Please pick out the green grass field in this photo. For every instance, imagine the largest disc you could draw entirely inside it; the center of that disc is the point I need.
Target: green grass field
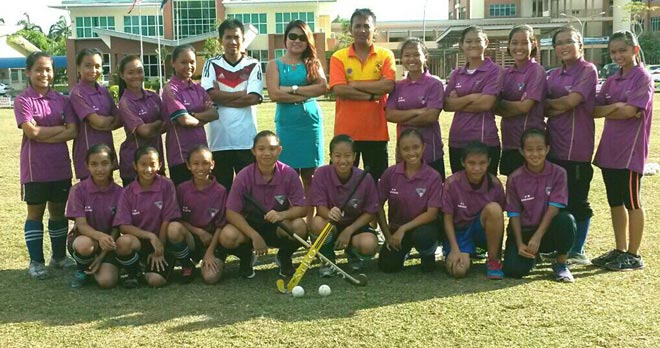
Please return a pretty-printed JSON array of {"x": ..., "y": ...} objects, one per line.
[{"x": 410, "y": 309}]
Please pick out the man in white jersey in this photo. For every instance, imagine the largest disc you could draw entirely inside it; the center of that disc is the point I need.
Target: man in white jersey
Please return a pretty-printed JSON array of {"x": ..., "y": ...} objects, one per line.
[{"x": 234, "y": 82}]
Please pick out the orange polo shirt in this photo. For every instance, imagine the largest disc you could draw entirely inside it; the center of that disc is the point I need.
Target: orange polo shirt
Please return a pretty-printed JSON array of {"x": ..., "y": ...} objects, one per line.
[{"x": 362, "y": 120}]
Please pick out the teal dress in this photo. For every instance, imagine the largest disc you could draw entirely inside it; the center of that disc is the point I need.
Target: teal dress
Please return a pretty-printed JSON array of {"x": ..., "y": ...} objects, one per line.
[{"x": 299, "y": 125}]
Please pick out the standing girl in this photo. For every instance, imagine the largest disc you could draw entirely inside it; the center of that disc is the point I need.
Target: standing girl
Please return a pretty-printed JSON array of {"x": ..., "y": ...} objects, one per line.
[
  {"x": 277, "y": 187},
  {"x": 417, "y": 101},
  {"x": 472, "y": 92},
  {"x": 146, "y": 215},
  {"x": 95, "y": 109},
  {"x": 48, "y": 122},
  {"x": 523, "y": 91},
  {"x": 330, "y": 189},
  {"x": 294, "y": 81},
  {"x": 626, "y": 103},
  {"x": 472, "y": 202},
  {"x": 202, "y": 201},
  {"x": 413, "y": 191},
  {"x": 536, "y": 195},
  {"x": 569, "y": 106},
  {"x": 186, "y": 109},
  {"x": 140, "y": 111},
  {"x": 92, "y": 205}
]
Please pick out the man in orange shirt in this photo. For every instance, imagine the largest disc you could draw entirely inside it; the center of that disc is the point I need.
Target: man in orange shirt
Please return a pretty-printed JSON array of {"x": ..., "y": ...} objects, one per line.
[{"x": 361, "y": 76}]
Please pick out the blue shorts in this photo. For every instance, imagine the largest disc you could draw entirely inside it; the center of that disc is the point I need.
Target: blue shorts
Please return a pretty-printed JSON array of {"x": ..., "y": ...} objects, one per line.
[{"x": 468, "y": 239}]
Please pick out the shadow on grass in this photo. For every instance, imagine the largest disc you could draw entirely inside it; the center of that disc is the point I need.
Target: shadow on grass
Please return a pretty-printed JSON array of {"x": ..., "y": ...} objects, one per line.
[{"x": 198, "y": 306}]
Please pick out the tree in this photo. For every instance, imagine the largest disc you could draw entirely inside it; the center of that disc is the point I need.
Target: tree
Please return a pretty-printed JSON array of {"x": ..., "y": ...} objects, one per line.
[
  {"x": 212, "y": 48},
  {"x": 60, "y": 30},
  {"x": 27, "y": 24},
  {"x": 344, "y": 39},
  {"x": 648, "y": 41}
]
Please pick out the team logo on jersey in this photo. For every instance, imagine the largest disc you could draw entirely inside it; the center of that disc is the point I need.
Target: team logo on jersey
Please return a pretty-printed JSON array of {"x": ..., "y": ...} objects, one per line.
[
  {"x": 478, "y": 82},
  {"x": 213, "y": 211},
  {"x": 521, "y": 85},
  {"x": 568, "y": 88},
  {"x": 221, "y": 76},
  {"x": 548, "y": 189},
  {"x": 113, "y": 210},
  {"x": 401, "y": 100},
  {"x": 159, "y": 204},
  {"x": 280, "y": 199},
  {"x": 393, "y": 191},
  {"x": 354, "y": 203},
  {"x": 141, "y": 112},
  {"x": 422, "y": 99},
  {"x": 458, "y": 85},
  {"x": 462, "y": 205},
  {"x": 135, "y": 212},
  {"x": 349, "y": 71},
  {"x": 526, "y": 198},
  {"x": 420, "y": 191},
  {"x": 186, "y": 102},
  {"x": 608, "y": 96},
  {"x": 186, "y": 209},
  {"x": 96, "y": 108},
  {"x": 88, "y": 209}
]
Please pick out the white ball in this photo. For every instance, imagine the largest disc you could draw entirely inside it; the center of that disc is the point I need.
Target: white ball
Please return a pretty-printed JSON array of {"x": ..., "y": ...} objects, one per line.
[
  {"x": 324, "y": 290},
  {"x": 298, "y": 291}
]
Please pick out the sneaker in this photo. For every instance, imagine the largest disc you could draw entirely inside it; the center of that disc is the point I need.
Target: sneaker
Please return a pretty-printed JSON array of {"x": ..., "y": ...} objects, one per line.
[
  {"x": 494, "y": 269},
  {"x": 562, "y": 273},
  {"x": 609, "y": 256},
  {"x": 479, "y": 254},
  {"x": 63, "y": 263},
  {"x": 286, "y": 267},
  {"x": 578, "y": 260},
  {"x": 246, "y": 267},
  {"x": 626, "y": 262},
  {"x": 79, "y": 280},
  {"x": 354, "y": 261},
  {"x": 326, "y": 271},
  {"x": 130, "y": 282},
  {"x": 38, "y": 270},
  {"x": 188, "y": 272},
  {"x": 428, "y": 263}
]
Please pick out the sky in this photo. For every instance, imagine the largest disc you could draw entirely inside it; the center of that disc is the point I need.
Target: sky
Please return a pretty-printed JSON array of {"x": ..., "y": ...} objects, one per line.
[{"x": 386, "y": 10}]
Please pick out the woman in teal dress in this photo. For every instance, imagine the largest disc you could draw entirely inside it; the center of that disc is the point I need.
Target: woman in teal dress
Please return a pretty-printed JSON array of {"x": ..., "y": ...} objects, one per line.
[{"x": 294, "y": 81}]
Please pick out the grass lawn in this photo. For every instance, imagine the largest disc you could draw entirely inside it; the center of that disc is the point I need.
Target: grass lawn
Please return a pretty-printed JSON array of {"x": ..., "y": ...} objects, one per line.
[{"x": 410, "y": 309}]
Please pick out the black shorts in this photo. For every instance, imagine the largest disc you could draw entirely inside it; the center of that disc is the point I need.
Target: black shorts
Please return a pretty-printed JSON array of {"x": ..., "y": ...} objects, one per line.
[
  {"x": 456, "y": 163},
  {"x": 109, "y": 257},
  {"x": 510, "y": 161},
  {"x": 180, "y": 173},
  {"x": 374, "y": 156},
  {"x": 439, "y": 166},
  {"x": 145, "y": 250},
  {"x": 578, "y": 175},
  {"x": 623, "y": 187},
  {"x": 228, "y": 162},
  {"x": 267, "y": 231},
  {"x": 35, "y": 193}
]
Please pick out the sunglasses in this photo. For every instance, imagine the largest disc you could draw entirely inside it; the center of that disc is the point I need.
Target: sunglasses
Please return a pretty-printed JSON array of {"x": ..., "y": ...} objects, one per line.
[{"x": 293, "y": 37}]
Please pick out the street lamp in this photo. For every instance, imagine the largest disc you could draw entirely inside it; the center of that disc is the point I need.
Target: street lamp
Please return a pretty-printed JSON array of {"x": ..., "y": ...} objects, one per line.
[{"x": 575, "y": 18}]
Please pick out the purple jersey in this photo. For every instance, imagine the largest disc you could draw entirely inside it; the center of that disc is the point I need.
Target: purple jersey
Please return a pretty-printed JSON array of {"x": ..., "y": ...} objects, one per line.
[
  {"x": 203, "y": 208},
  {"x": 283, "y": 191},
  {"x": 97, "y": 205},
  {"x": 465, "y": 202},
  {"x": 43, "y": 162},
  {"x": 528, "y": 194},
  {"x": 134, "y": 112},
  {"x": 525, "y": 83},
  {"x": 470, "y": 126},
  {"x": 409, "y": 197},
  {"x": 571, "y": 134},
  {"x": 180, "y": 98},
  {"x": 625, "y": 143},
  {"x": 426, "y": 92},
  {"x": 327, "y": 191},
  {"x": 148, "y": 209},
  {"x": 87, "y": 100}
]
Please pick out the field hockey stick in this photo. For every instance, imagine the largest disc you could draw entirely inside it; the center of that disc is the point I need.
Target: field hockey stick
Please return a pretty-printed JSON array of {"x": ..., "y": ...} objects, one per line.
[
  {"x": 309, "y": 257},
  {"x": 360, "y": 280}
]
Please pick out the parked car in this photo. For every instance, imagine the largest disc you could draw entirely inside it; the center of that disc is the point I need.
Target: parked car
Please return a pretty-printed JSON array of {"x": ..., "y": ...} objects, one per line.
[
  {"x": 4, "y": 88},
  {"x": 656, "y": 75},
  {"x": 608, "y": 70}
]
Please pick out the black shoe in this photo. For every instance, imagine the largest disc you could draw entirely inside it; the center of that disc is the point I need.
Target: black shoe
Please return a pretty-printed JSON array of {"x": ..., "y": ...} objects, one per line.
[
  {"x": 428, "y": 263},
  {"x": 626, "y": 262},
  {"x": 609, "y": 256},
  {"x": 131, "y": 282},
  {"x": 246, "y": 267},
  {"x": 286, "y": 267}
]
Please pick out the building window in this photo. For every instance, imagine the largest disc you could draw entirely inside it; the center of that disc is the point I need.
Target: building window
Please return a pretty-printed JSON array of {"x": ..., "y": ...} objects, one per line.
[
  {"x": 106, "y": 67},
  {"x": 502, "y": 10},
  {"x": 282, "y": 19},
  {"x": 150, "y": 64},
  {"x": 148, "y": 23},
  {"x": 194, "y": 17},
  {"x": 257, "y": 19},
  {"x": 84, "y": 25},
  {"x": 261, "y": 56},
  {"x": 654, "y": 24}
]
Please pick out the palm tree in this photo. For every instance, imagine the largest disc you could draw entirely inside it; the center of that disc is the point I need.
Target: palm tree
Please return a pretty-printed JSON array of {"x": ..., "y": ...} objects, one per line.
[
  {"x": 27, "y": 24},
  {"x": 61, "y": 29}
]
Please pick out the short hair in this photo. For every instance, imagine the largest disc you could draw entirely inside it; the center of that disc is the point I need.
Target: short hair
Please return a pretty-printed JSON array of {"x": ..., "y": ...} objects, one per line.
[
  {"x": 533, "y": 132},
  {"x": 263, "y": 134},
  {"x": 143, "y": 150},
  {"x": 477, "y": 29},
  {"x": 413, "y": 41},
  {"x": 180, "y": 49},
  {"x": 196, "y": 149},
  {"x": 362, "y": 12},
  {"x": 342, "y": 138},
  {"x": 230, "y": 23}
]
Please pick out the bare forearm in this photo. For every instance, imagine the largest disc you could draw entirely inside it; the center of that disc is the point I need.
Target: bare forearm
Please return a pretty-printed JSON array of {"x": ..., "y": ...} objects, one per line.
[
  {"x": 382, "y": 221},
  {"x": 238, "y": 221},
  {"x": 294, "y": 213},
  {"x": 347, "y": 92},
  {"x": 482, "y": 103},
  {"x": 135, "y": 231},
  {"x": 422, "y": 219},
  {"x": 450, "y": 232},
  {"x": 70, "y": 132},
  {"x": 208, "y": 115},
  {"x": 222, "y": 97},
  {"x": 244, "y": 101},
  {"x": 545, "y": 221},
  {"x": 382, "y": 86},
  {"x": 458, "y": 103},
  {"x": 426, "y": 118}
]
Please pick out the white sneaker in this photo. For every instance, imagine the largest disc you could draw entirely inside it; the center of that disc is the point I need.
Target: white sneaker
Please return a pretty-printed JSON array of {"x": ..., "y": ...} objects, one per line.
[
  {"x": 326, "y": 271},
  {"x": 65, "y": 263},
  {"x": 578, "y": 260},
  {"x": 38, "y": 270}
]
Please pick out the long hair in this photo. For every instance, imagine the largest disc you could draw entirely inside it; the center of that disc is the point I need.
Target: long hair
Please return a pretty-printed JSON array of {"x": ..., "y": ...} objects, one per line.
[
  {"x": 312, "y": 63},
  {"x": 84, "y": 53},
  {"x": 122, "y": 65},
  {"x": 630, "y": 39}
]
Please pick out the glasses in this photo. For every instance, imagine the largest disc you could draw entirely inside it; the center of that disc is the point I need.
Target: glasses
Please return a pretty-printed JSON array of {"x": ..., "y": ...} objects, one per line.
[{"x": 293, "y": 37}]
